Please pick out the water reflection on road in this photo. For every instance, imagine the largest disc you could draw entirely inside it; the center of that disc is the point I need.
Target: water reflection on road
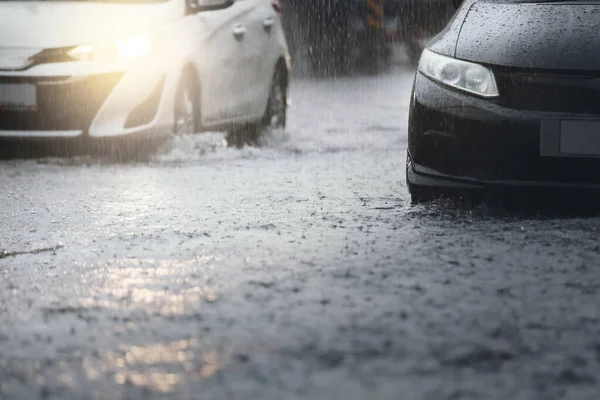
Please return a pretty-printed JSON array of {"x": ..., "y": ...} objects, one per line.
[{"x": 296, "y": 268}]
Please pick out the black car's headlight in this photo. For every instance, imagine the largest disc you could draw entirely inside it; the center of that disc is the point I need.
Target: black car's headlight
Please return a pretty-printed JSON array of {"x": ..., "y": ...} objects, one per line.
[{"x": 462, "y": 75}]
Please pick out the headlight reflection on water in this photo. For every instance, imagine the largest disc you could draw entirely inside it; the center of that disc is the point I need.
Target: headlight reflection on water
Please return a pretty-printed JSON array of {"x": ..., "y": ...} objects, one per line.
[
  {"x": 138, "y": 295},
  {"x": 158, "y": 366},
  {"x": 150, "y": 286}
]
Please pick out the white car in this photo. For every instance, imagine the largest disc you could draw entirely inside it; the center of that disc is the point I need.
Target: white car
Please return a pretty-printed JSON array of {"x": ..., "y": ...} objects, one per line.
[{"x": 98, "y": 69}]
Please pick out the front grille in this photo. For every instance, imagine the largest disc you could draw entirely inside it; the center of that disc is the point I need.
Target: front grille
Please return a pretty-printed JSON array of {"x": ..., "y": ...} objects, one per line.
[
  {"x": 62, "y": 103},
  {"x": 503, "y": 159},
  {"x": 507, "y": 150},
  {"x": 497, "y": 155},
  {"x": 568, "y": 93}
]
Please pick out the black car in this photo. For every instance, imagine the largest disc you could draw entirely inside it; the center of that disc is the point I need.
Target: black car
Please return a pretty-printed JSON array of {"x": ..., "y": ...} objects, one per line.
[{"x": 508, "y": 95}]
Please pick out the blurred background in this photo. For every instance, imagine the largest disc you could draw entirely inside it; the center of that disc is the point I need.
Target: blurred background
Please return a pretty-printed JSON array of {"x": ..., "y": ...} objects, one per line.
[{"x": 337, "y": 37}]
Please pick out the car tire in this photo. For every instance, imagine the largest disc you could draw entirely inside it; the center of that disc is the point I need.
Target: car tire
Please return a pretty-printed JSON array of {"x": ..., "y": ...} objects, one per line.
[
  {"x": 419, "y": 197},
  {"x": 276, "y": 113},
  {"x": 424, "y": 193},
  {"x": 241, "y": 135},
  {"x": 275, "y": 116},
  {"x": 420, "y": 194},
  {"x": 186, "y": 111}
]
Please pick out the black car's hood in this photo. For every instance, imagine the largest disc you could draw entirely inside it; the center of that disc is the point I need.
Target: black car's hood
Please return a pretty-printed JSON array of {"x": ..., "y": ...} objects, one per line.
[{"x": 542, "y": 36}]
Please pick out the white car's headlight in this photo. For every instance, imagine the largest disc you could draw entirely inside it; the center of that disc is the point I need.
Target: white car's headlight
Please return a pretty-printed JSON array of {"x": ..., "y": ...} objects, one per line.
[
  {"x": 126, "y": 49},
  {"x": 461, "y": 75}
]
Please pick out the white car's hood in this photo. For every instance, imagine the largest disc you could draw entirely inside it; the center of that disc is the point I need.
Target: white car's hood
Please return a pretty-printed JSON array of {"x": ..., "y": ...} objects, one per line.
[{"x": 52, "y": 24}]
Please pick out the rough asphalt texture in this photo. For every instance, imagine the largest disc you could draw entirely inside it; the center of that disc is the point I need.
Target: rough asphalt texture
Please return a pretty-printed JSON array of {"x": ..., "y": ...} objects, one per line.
[{"x": 293, "y": 270}]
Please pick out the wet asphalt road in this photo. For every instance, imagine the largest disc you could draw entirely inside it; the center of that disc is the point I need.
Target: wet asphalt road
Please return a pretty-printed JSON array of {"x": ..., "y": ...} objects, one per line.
[{"x": 293, "y": 270}]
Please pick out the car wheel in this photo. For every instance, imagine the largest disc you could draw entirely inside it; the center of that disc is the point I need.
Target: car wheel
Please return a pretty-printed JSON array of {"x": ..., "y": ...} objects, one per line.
[
  {"x": 242, "y": 135},
  {"x": 275, "y": 116},
  {"x": 276, "y": 113},
  {"x": 186, "y": 106},
  {"x": 420, "y": 194},
  {"x": 418, "y": 197}
]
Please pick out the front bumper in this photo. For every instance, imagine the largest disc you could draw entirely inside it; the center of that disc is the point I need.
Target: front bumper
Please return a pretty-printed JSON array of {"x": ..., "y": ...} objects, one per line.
[
  {"x": 79, "y": 100},
  {"x": 460, "y": 138},
  {"x": 419, "y": 176},
  {"x": 65, "y": 106}
]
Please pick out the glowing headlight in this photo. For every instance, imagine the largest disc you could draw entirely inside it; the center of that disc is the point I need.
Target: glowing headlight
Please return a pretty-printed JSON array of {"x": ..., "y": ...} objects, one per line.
[
  {"x": 130, "y": 48},
  {"x": 461, "y": 75},
  {"x": 134, "y": 47}
]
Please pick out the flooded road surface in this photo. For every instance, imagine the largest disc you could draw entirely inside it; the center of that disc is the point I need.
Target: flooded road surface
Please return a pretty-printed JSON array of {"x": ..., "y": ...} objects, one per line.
[{"x": 297, "y": 269}]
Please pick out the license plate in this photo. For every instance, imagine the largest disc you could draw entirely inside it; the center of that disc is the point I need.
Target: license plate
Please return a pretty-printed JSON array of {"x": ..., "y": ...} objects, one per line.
[
  {"x": 579, "y": 138},
  {"x": 18, "y": 96}
]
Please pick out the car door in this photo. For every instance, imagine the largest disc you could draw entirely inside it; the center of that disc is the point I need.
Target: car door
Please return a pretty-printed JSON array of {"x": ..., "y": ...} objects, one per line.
[
  {"x": 260, "y": 21},
  {"x": 253, "y": 45},
  {"x": 222, "y": 56}
]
